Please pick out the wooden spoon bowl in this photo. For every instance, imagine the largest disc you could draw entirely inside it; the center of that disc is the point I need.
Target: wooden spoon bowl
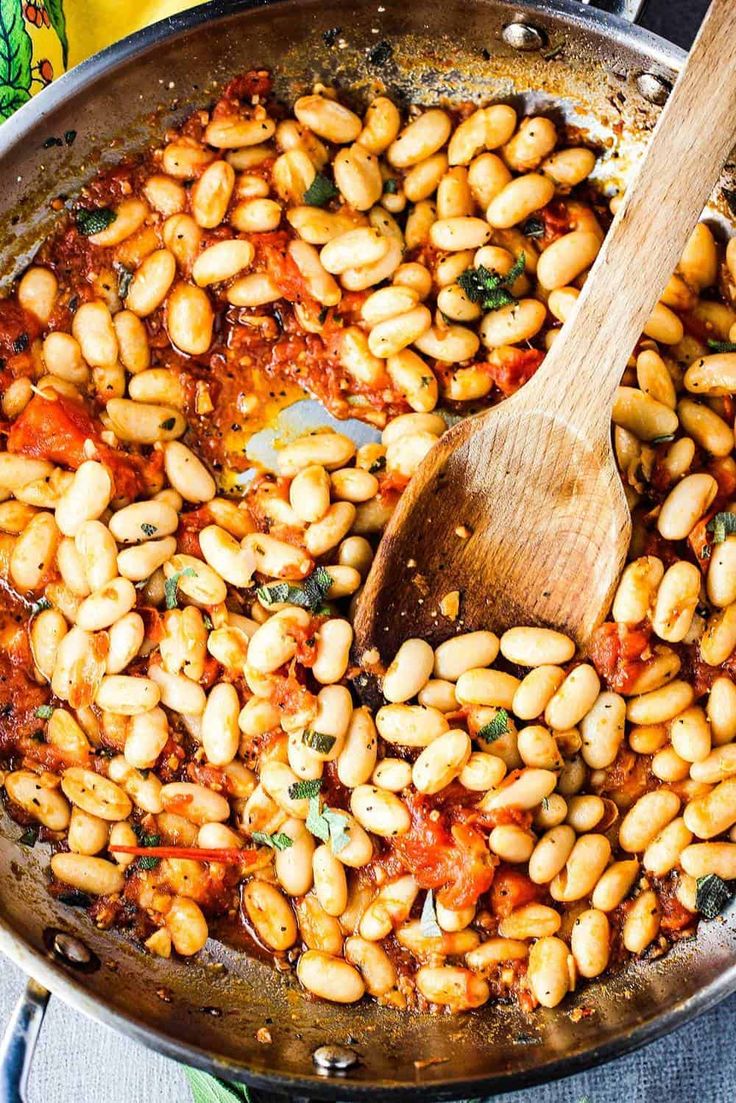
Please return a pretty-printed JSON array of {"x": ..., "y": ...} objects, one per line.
[
  {"x": 519, "y": 512},
  {"x": 546, "y": 548}
]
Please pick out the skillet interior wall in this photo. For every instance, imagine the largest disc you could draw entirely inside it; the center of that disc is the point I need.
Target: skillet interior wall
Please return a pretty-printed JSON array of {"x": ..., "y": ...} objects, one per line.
[
  {"x": 436, "y": 50},
  {"x": 131, "y": 106}
]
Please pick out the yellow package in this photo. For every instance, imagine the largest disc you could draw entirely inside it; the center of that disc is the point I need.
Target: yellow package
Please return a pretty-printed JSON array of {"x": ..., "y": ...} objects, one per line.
[{"x": 40, "y": 39}]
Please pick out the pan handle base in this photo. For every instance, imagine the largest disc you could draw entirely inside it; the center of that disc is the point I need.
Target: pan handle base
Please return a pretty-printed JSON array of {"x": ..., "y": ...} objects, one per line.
[{"x": 19, "y": 1042}]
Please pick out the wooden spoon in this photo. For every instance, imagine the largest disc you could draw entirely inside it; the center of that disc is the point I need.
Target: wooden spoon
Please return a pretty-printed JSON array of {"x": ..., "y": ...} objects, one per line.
[{"x": 521, "y": 508}]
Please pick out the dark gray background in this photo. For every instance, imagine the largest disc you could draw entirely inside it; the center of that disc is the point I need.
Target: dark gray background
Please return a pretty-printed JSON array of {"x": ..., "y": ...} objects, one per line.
[{"x": 81, "y": 1062}]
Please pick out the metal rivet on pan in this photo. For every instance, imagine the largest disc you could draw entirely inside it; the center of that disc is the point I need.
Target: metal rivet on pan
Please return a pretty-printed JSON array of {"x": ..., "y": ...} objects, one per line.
[
  {"x": 71, "y": 950},
  {"x": 334, "y": 1059},
  {"x": 653, "y": 88},
  {"x": 522, "y": 36}
]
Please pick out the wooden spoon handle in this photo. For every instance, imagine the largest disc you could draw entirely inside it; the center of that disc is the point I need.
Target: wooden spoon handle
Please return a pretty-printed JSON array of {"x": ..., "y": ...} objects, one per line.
[{"x": 691, "y": 142}]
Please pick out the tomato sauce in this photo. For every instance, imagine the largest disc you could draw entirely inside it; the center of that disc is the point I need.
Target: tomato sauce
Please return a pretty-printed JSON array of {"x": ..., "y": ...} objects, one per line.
[{"x": 514, "y": 370}]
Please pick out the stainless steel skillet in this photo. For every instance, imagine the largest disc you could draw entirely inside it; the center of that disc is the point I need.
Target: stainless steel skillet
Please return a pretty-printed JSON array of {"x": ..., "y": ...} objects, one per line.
[{"x": 561, "y": 57}]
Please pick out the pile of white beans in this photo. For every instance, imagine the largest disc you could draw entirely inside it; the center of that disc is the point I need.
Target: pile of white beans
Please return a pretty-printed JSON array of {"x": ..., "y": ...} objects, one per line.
[{"x": 596, "y": 852}]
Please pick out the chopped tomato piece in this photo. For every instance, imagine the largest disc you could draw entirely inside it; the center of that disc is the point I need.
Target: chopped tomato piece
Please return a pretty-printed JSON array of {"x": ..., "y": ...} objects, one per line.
[
  {"x": 512, "y": 889},
  {"x": 19, "y": 699},
  {"x": 702, "y": 675},
  {"x": 190, "y": 526},
  {"x": 272, "y": 250},
  {"x": 723, "y": 471},
  {"x": 700, "y": 540},
  {"x": 453, "y": 858}
]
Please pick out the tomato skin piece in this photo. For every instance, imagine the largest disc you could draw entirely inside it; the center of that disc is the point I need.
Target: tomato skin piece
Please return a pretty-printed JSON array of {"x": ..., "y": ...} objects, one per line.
[
  {"x": 451, "y": 857},
  {"x": 516, "y": 369},
  {"x": 56, "y": 430},
  {"x": 556, "y": 221}
]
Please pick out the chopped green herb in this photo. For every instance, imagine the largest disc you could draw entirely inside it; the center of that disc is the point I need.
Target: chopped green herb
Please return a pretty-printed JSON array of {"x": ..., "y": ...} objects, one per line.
[
  {"x": 722, "y": 346},
  {"x": 207, "y": 621},
  {"x": 706, "y": 551},
  {"x": 44, "y": 712},
  {"x": 662, "y": 440},
  {"x": 39, "y": 606},
  {"x": 488, "y": 288},
  {"x": 124, "y": 277},
  {"x": 148, "y": 529},
  {"x": 429, "y": 924},
  {"x": 318, "y": 741},
  {"x": 171, "y": 586},
  {"x": 148, "y": 863},
  {"x": 722, "y": 525},
  {"x": 320, "y": 191},
  {"x": 309, "y": 595},
  {"x": 322, "y": 316},
  {"x": 495, "y": 728},
  {"x": 390, "y": 186},
  {"x": 533, "y": 227},
  {"x": 303, "y": 790},
  {"x": 278, "y": 841},
  {"x": 91, "y": 222},
  {"x": 168, "y": 423},
  {"x": 69, "y": 137},
  {"x": 711, "y": 895},
  {"x": 29, "y": 837}
]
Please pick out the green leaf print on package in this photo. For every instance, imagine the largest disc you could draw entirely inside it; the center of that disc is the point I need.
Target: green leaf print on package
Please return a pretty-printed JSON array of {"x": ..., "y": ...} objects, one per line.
[
  {"x": 54, "y": 9},
  {"x": 15, "y": 58}
]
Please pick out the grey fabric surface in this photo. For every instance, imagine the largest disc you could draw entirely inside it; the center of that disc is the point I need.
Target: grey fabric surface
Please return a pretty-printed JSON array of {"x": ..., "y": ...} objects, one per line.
[{"x": 79, "y": 1061}]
